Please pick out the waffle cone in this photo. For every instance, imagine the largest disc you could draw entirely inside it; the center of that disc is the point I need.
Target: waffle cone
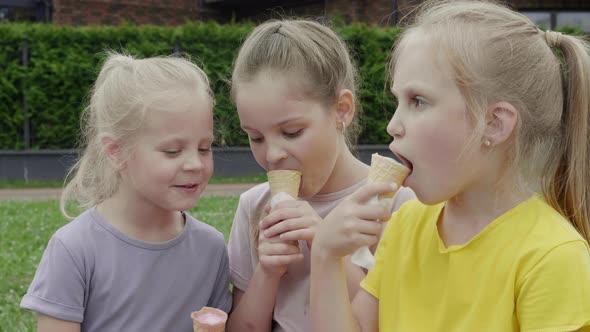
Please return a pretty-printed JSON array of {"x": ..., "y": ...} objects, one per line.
[
  {"x": 286, "y": 181},
  {"x": 385, "y": 169},
  {"x": 204, "y": 327}
]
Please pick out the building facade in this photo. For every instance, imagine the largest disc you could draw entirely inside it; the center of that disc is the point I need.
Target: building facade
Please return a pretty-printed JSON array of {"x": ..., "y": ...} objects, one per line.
[{"x": 550, "y": 13}]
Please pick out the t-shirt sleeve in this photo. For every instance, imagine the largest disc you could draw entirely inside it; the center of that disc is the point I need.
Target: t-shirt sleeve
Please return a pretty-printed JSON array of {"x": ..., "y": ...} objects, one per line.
[
  {"x": 58, "y": 288},
  {"x": 221, "y": 296},
  {"x": 555, "y": 294},
  {"x": 240, "y": 249}
]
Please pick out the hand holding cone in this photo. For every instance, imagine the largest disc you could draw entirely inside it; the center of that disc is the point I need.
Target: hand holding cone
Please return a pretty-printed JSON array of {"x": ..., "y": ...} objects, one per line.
[
  {"x": 385, "y": 170},
  {"x": 209, "y": 320}
]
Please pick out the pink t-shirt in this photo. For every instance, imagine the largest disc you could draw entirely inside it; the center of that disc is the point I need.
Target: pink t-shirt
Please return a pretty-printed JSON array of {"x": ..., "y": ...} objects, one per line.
[{"x": 291, "y": 312}]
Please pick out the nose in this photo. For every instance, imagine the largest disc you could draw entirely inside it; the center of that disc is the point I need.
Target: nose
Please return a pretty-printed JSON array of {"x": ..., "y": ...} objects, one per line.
[
  {"x": 193, "y": 161},
  {"x": 395, "y": 127},
  {"x": 275, "y": 153}
]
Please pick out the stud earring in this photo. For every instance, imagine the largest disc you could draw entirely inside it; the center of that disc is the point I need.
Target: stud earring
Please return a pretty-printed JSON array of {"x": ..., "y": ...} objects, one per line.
[{"x": 487, "y": 143}]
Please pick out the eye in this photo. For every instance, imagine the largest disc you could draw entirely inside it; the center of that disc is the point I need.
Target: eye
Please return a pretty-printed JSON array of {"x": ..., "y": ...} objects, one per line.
[
  {"x": 205, "y": 150},
  {"x": 172, "y": 153},
  {"x": 293, "y": 134},
  {"x": 417, "y": 101},
  {"x": 256, "y": 139}
]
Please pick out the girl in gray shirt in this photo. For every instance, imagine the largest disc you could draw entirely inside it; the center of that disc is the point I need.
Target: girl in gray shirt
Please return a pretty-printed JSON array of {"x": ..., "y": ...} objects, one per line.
[{"x": 133, "y": 260}]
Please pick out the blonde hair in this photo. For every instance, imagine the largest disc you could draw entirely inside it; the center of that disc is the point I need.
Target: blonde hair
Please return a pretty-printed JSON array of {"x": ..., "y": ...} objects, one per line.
[
  {"x": 125, "y": 89},
  {"x": 500, "y": 55},
  {"x": 305, "y": 48}
]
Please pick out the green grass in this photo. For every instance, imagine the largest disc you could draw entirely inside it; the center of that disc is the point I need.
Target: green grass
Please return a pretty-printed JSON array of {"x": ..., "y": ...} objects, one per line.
[
  {"x": 26, "y": 227},
  {"x": 21, "y": 184}
]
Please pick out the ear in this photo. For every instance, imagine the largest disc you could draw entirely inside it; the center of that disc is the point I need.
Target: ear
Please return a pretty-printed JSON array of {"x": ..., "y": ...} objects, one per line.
[
  {"x": 345, "y": 107},
  {"x": 112, "y": 149},
  {"x": 501, "y": 120}
]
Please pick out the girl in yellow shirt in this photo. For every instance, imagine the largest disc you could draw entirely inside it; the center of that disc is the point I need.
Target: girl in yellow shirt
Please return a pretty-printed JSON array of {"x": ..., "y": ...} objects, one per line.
[{"x": 493, "y": 119}]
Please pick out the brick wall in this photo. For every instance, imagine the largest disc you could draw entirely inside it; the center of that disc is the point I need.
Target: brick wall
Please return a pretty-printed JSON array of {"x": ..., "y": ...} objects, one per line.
[
  {"x": 114, "y": 12},
  {"x": 174, "y": 12},
  {"x": 370, "y": 11}
]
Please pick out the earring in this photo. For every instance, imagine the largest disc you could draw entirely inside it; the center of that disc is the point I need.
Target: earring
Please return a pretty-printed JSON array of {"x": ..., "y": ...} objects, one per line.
[
  {"x": 342, "y": 127},
  {"x": 487, "y": 143}
]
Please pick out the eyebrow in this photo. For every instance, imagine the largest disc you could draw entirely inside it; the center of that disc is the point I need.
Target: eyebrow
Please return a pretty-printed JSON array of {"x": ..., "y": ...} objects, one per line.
[
  {"x": 176, "y": 140},
  {"x": 278, "y": 124},
  {"x": 411, "y": 88}
]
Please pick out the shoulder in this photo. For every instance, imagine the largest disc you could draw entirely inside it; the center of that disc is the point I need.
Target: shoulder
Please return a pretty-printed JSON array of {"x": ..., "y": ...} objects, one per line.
[
  {"x": 545, "y": 236},
  {"x": 545, "y": 226},
  {"x": 204, "y": 233},
  {"x": 77, "y": 233},
  {"x": 256, "y": 193},
  {"x": 253, "y": 201}
]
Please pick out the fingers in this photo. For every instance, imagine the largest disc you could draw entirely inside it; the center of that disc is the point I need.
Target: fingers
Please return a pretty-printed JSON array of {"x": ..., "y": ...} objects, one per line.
[
  {"x": 282, "y": 260},
  {"x": 288, "y": 225},
  {"x": 372, "y": 212},
  {"x": 275, "y": 252},
  {"x": 290, "y": 203},
  {"x": 277, "y": 246},
  {"x": 363, "y": 240},
  {"x": 279, "y": 215},
  {"x": 352, "y": 227},
  {"x": 305, "y": 234},
  {"x": 372, "y": 189}
]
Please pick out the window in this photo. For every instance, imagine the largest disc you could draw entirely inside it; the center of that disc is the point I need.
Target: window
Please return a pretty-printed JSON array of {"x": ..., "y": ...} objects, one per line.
[
  {"x": 556, "y": 18},
  {"x": 542, "y": 19},
  {"x": 575, "y": 19}
]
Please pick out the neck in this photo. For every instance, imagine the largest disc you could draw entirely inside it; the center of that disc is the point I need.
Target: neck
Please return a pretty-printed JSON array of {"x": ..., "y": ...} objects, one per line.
[
  {"x": 348, "y": 170},
  {"x": 140, "y": 219},
  {"x": 467, "y": 214}
]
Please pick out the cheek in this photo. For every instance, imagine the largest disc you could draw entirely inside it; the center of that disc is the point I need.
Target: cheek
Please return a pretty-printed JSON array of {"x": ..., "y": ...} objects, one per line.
[
  {"x": 209, "y": 166},
  {"x": 442, "y": 146}
]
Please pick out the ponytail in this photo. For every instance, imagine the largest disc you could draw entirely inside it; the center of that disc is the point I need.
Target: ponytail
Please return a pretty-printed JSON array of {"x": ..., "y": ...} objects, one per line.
[{"x": 568, "y": 187}]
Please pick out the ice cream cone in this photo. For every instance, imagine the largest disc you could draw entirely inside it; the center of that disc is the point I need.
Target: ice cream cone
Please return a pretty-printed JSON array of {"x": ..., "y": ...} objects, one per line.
[
  {"x": 387, "y": 170},
  {"x": 286, "y": 181},
  {"x": 209, "y": 320}
]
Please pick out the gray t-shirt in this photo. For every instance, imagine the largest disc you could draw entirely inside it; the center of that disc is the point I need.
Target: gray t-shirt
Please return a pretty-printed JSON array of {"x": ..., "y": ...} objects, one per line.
[
  {"x": 93, "y": 274},
  {"x": 291, "y": 311}
]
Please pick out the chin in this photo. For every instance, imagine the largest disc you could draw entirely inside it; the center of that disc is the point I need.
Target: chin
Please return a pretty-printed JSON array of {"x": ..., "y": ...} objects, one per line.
[
  {"x": 184, "y": 206},
  {"x": 426, "y": 198}
]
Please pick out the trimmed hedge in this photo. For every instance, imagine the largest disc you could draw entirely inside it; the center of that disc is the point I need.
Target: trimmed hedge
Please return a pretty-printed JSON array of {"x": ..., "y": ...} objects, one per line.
[{"x": 64, "y": 61}]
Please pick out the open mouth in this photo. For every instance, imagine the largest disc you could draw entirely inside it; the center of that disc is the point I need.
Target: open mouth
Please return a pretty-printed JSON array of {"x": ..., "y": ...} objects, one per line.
[
  {"x": 404, "y": 161},
  {"x": 187, "y": 186}
]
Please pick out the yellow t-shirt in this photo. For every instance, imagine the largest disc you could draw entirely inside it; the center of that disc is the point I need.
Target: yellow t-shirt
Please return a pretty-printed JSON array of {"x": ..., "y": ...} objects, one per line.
[{"x": 529, "y": 270}]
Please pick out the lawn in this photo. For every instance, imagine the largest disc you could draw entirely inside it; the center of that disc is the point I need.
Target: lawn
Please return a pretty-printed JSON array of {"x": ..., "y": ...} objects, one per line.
[
  {"x": 26, "y": 227},
  {"x": 21, "y": 184}
]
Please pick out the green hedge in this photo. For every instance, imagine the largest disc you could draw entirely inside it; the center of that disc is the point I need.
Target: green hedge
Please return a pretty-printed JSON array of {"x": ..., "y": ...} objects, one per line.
[{"x": 64, "y": 62}]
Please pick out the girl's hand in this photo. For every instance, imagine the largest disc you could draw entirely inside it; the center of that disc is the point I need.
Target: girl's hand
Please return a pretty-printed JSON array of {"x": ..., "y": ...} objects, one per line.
[
  {"x": 353, "y": 223},
  {"x": 292, "y": 221},
  {"x": 274, "y": 254}
]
